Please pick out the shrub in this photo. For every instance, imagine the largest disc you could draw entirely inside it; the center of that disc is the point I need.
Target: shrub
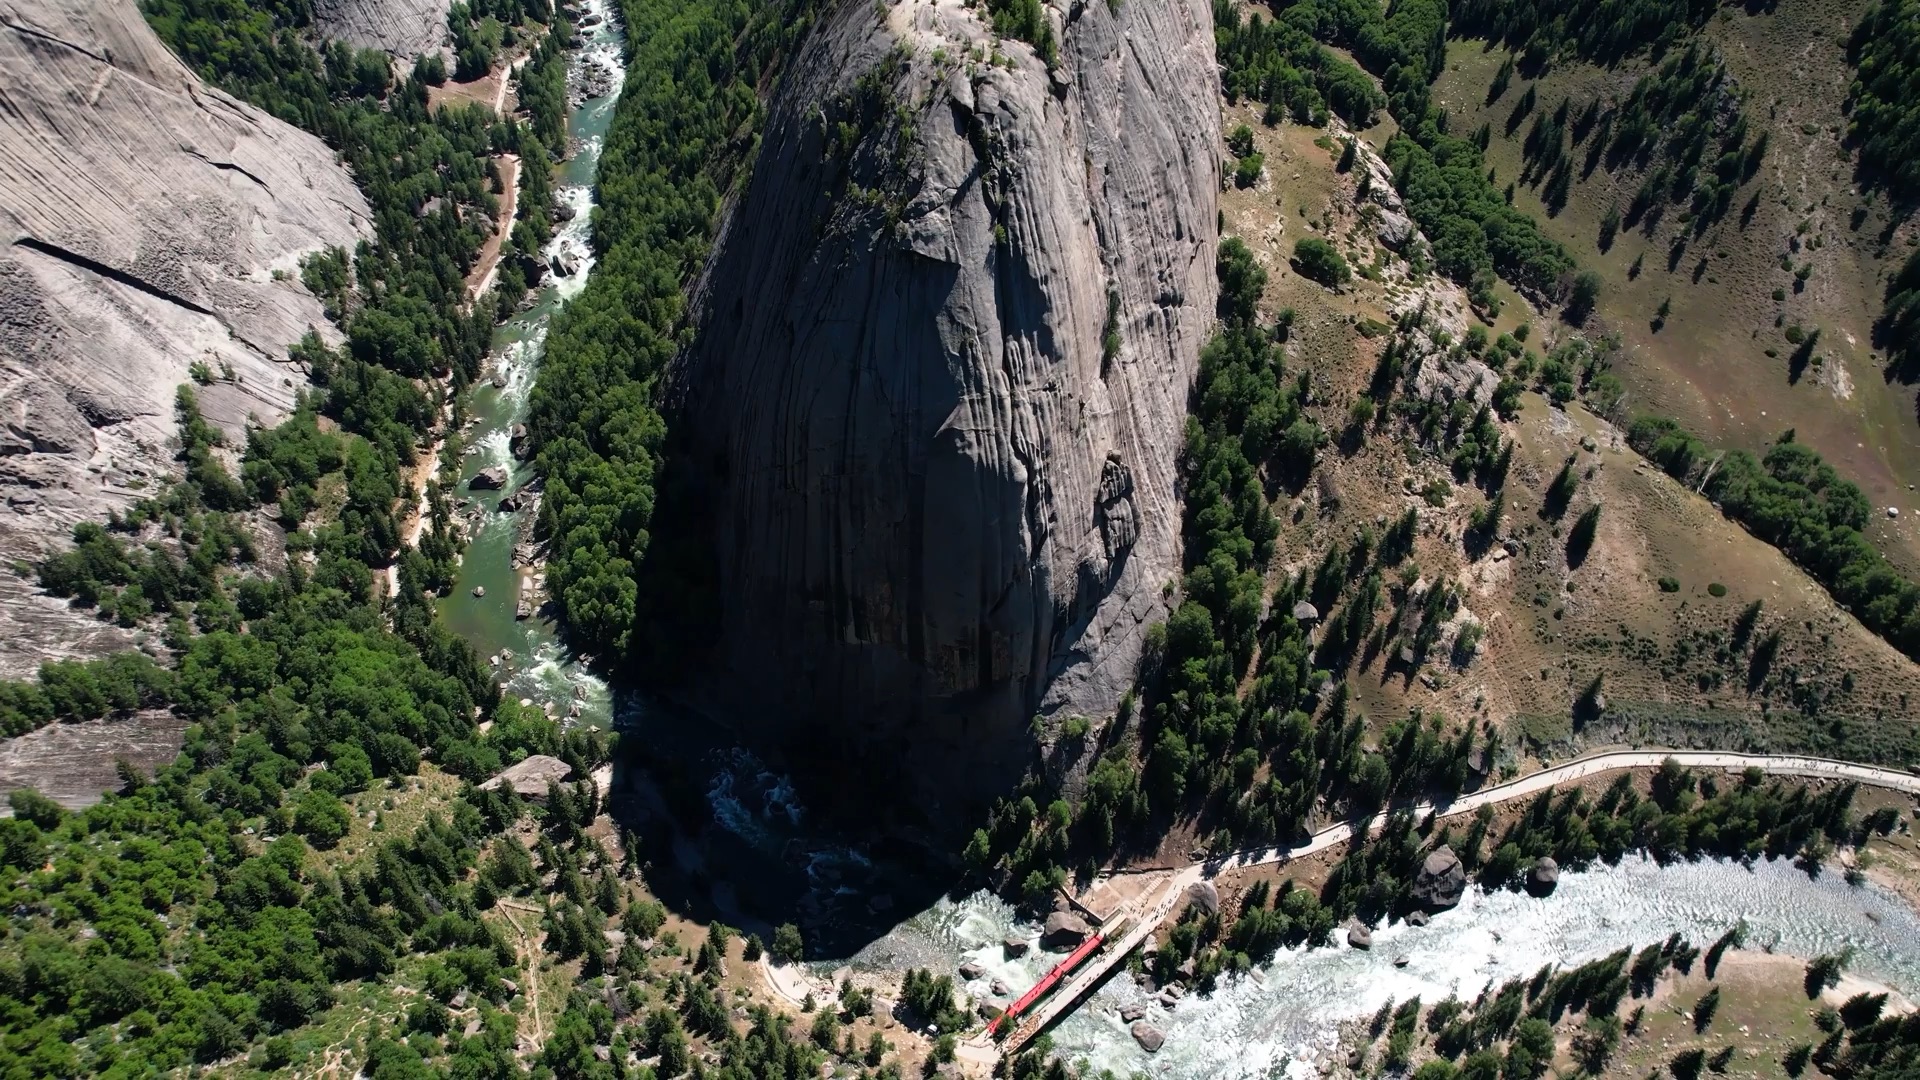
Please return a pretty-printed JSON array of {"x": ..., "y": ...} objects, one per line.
[
  {"x": 1316, "y": 259},
  {"x": 1247, "y": 173},
  {"x": 788, "y": 947},
  {"x": 1584, "y": 295},
  {"x": 1580, "y": 539}
]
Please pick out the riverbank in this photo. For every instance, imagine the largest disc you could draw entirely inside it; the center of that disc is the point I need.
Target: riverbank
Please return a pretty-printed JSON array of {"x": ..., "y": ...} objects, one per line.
[{"x": 495, "y": 601}]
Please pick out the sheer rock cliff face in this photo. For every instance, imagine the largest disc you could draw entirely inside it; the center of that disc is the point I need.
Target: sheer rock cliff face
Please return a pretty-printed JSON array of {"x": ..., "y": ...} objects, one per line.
[
  {"x": 142, "y": 218},
  {"x": 940, "y": 505},
  {"x": 404, "y": 28}
]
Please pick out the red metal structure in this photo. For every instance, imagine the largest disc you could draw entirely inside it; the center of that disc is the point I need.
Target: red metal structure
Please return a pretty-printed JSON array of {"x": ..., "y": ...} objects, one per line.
[{"x": 1046, "y": 985}]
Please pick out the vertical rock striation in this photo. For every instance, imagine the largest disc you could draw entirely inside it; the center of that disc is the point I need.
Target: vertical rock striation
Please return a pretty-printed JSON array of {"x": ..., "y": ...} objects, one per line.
[
  {"x": 143, "y": 220},
  {"x": 940, "y": 387}
]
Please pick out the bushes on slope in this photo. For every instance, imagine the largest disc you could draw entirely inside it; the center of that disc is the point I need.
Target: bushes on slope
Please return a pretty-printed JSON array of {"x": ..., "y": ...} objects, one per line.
[
  {"x": 1797, "y": 502},
  {"x": 1885, "y": 95}
]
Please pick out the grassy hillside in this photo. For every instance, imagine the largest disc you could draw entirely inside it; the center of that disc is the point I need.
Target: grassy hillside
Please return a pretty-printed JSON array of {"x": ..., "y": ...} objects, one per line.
[
  {"x": 1801, "y": 248},
  {"x": 1668, "y": 663}
]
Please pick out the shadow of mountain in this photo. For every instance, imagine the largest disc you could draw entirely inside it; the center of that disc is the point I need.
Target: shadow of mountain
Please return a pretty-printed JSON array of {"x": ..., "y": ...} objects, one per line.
[{"x": 724, "y": 836}]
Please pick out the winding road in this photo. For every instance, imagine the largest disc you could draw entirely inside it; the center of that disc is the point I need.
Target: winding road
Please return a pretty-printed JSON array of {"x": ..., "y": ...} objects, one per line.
[{"x": 1577, "y": 769}]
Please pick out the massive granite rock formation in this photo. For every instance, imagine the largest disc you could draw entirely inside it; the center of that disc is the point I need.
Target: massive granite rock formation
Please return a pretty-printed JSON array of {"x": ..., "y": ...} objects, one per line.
[
  {"x": 404, "y": 28},
  {"x": 942, "y": 500},
  {"x": 143, "y": 220}
]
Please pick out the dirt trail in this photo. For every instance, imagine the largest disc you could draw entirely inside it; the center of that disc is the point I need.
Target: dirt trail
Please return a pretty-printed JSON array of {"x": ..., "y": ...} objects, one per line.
[{"x": 485, "y": 269}]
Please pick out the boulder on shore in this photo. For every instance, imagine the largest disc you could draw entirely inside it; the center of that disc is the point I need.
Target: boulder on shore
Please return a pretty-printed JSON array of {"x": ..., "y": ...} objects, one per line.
[
  {"x": 1544, "y": 876},
  {"x": 1202, "y": 895},
  {"x": 1150, "y": 1038},
  {"x": 529, "y": 778},
  {"x": 491, "y": 478},
  {"x": 1442, "y": 880},
  {"x": 1064, "y": 931}
]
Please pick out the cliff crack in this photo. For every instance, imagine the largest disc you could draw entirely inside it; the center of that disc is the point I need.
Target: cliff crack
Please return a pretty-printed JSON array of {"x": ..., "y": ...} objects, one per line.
[
  {"x": 229, "y": 167},
  {"x": 49, "y": 38},
  {"x": 94, "y": 266}
]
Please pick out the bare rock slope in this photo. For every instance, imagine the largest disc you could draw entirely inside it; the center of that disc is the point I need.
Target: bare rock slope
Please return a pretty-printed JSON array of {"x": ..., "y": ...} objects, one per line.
[
  {"x": 942, "y": 501},
  {"x": 143, "y": 217},
  {"x": 404, "y": 28}
]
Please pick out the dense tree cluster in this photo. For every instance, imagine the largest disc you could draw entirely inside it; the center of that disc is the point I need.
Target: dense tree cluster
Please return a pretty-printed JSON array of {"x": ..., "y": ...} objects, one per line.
[
  {"x": 1025, "y": 20},
  {"x": 1899, "y": 326},
  {"x": 689, "y": 92},
  {"x": 84, "y": 690},
  {"x": 1474, "y": 230},
  {"x": 1279, "y": 63},
  {"x": 1885, "y": 95},
  {"x": 1797, "y": 502},
  {"x": 1684, "y": 816},
  {"x": 1601, "y": 33}
]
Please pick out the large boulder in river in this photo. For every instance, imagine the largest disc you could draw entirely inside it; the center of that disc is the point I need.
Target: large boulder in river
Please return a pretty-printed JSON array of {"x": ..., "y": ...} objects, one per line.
[
  {"x": 1063, "y": 932},
  {"x": 1441, "y": 880},
  {"x": 1014, "y": 946},
  {"x": 491, "y": 478},
  {"x": 1150, "y": 1038},
  {"x": 933, "y": 503},
  {"x": 1359, "y": 936},
  {"x": 1544, "y": 876}
]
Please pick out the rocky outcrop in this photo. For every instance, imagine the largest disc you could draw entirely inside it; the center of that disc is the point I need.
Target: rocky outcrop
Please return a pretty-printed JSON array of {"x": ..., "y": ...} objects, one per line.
[
  {"x": 939, "y": 505},
  {"x": 529, "y": 777},
  {"x": 148, "y": 223},
  {"x": 403, "y": 28}
]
